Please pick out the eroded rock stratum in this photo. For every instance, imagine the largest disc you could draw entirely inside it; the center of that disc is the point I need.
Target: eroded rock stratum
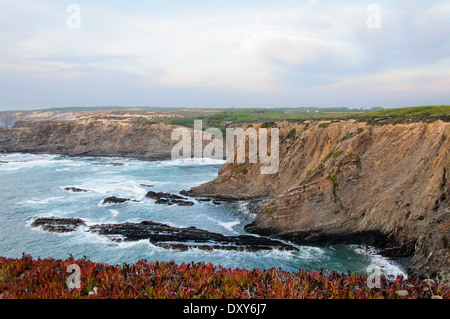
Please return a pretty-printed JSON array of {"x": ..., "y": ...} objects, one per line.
[{"x": 351, "y": 182}]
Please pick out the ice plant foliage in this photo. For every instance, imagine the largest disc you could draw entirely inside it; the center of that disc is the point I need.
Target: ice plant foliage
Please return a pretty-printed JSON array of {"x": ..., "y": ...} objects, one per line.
[{"x": 47, "y": 278}]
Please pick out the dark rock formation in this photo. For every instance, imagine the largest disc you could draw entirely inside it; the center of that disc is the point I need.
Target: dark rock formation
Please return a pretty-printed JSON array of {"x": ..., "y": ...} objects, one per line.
[
  {"x": 58, "y": 225},
  {"x": 117, "y": 200},
  {"x": 159, "y": 195},
  {"x": 76, "y": 190},
  {"x": 164, "y": 235},
  {"x": 184, "y": 238},
  {"x": 89, "y": 137},
  {"x": 169, "y": 199},
  {"x": 182, "y": 202}
]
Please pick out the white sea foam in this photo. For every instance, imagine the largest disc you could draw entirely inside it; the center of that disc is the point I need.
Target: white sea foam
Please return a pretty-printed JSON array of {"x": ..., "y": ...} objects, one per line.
[
  {"x": 137, "y": 191},
  {"x": 114, "y": 212},
  {"x": 388, "y": 267},
  {"x": 121, "y": 188},
  {"x": 246, "y": 259},
  {"x": 41, "y": 201},
  {"x": 26, "y": 161},
  {"x": 85, "y": 237},
  {"x": 310, "y": 253},
  {"x": 243, "y": 208},
  {"x": 89, "y": 238},
  {"x": 229, "y": 225}
]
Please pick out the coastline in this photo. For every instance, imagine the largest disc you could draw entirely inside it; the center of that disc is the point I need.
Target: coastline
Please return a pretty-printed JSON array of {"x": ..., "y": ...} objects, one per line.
[
  {"x": 341, "y": 182},
  {"x": 85, "y": 190},
  {"x": 350, "y": 182}
]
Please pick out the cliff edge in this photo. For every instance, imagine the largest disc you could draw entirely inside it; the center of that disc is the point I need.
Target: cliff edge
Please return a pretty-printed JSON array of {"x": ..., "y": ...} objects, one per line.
[
  {"x": 348, "y": 182},
  {"x": 338, "y": 182}
]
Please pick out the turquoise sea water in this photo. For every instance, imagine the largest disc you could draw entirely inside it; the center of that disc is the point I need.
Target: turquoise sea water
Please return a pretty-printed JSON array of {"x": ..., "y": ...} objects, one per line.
[{"x": 33, "y": 186}]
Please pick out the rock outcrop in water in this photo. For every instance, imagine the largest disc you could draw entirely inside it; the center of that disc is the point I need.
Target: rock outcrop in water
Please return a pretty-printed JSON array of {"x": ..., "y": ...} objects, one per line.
[
  {"x": 117, "y": 200},
  {"x": 76, "y": 189},
  {"x": 352, "y": 182},
  {"x": 58, "y": 225},
  {"x": 164, "y": 235},
  {"x": 168, "y": 199}
]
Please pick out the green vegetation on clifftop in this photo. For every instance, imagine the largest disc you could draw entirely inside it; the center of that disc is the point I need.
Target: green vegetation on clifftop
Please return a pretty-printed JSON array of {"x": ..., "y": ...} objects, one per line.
[{"x": 240, "y": 116}]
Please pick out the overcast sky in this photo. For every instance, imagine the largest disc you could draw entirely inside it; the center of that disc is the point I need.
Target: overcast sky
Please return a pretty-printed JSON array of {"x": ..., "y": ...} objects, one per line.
[{"x": 217, "y": 53}]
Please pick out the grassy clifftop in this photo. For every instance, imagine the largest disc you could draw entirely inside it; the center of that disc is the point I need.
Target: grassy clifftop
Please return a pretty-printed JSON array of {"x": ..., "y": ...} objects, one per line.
[
  {"x": 226, "y": 117},
  {"x": 413, "y": 111}
]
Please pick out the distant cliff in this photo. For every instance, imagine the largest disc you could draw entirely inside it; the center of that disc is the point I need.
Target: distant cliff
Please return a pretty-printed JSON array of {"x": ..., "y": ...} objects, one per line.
[
  {"x": 353, "y": 182},
  {"x": 9, "y": 118},
  {"x": 89, "y": 137}
]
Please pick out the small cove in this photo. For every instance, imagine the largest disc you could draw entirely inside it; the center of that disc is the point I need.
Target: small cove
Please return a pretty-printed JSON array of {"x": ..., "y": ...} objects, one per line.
[{"x": 34, "y": 186}]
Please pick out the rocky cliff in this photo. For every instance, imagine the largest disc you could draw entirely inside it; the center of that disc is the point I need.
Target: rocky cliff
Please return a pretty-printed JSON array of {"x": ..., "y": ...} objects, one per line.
[
  {"x": 353, "y": 182},
  {"x": 338, "y": 182},
  {"x": 89, "y": 137}
]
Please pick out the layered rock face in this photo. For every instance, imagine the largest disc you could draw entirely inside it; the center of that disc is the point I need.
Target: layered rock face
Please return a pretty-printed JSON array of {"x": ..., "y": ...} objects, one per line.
[
  {"x": 164, "y": 235},
  {"x": 341, "y": 182},
  {"x": 89, "y": 137},
  {"x": 351, "y": 182}
]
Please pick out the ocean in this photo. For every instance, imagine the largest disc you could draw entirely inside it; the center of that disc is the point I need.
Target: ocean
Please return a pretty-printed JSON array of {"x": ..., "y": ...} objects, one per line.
[{"x": 32, "y": 186}]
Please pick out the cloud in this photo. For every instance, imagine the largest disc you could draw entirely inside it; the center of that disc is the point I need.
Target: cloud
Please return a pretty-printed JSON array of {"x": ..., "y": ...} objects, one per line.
[{"x": 266, "y": 51}]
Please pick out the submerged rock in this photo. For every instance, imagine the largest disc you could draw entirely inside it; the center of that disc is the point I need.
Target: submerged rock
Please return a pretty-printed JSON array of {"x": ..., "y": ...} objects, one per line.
[{"x": 58, "y": 225}]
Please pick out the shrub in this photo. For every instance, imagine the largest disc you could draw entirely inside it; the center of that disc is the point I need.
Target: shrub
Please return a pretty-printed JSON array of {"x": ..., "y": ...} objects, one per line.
[
  {"x": 291, "y": 133},
  {"x": 358, "y": 161},
  {"x": 268, "y": 125}
]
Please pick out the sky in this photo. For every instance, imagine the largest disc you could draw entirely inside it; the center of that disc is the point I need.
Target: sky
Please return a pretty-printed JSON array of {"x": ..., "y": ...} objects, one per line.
[{"x": 217, "y": 53}]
